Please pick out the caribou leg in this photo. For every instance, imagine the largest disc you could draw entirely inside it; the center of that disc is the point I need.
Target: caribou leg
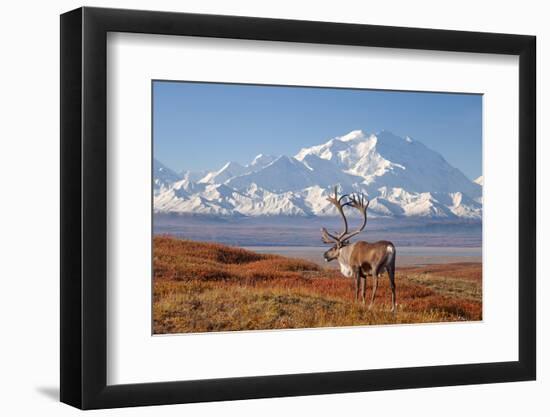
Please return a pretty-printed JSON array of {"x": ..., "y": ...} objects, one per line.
[
  {"x": 391, "y": 275},
  {"x": 374, "y": 288},
  {"x": 363, "y": 288},
  {"x": 357, "y": 282}
]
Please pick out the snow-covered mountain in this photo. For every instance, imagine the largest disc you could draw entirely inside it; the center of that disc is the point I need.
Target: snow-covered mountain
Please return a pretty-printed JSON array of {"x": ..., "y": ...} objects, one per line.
[
  {"x": 228, "y": 171},
  {"x": 386, "y": 160},
  {"x": 163, "y": 177},
  {"x": 193, "y": 175},
  {"x": 401, "y": 176},
  {"x": 261, "y": 161}
]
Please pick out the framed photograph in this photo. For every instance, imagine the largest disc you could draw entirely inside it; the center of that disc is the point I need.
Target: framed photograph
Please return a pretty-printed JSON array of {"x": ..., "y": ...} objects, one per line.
[{"x": 257, "y": 208}]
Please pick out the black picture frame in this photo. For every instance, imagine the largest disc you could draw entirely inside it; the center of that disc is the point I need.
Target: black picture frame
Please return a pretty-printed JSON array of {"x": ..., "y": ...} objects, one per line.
[{"x": 84, "y": 207}]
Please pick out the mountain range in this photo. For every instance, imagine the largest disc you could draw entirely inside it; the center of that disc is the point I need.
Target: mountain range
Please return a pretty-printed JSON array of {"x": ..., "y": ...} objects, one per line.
[{"x": 401, "y": 177}]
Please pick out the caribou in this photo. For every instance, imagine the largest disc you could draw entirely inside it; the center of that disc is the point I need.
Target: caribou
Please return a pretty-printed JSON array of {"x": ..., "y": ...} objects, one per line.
[{"x": 359, "y": 259}]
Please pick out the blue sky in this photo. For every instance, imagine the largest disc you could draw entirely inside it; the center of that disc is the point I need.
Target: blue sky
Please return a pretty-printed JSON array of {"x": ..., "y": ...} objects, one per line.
[{"x": 201, "y": 126}]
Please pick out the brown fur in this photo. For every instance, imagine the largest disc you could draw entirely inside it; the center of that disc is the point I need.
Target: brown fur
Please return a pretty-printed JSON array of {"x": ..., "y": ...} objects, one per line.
[
  {"x": 371, "y": 257},
  {"x": 361, "y": 259}
]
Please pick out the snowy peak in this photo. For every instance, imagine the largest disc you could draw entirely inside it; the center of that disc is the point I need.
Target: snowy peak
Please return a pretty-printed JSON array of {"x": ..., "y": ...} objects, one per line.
[
  {"x": 234, "y": 169},
  {"x": 192, "y": 175},
  {"x": 283, "y": 174},
  {"x": 385, "y": 159},
  {"x": 401, "y": 176},
  {"x": 353, "y": 135},
  {"x": 479, "y": 180},
  {"x": 229, "y": 170},
  {"x": 163, "y": 176},
  {"x": 261, "y": 161},
  {"x": 326, "y": 174},
  {"x": 331, "y": 150}
]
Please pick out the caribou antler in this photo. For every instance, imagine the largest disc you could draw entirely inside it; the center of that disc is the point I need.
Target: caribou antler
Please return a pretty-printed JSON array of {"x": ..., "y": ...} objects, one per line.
[
  {"x": 326, "y": 237},
  {"x": 359, "y": 202},
  {"x": 337, "y": 202}
]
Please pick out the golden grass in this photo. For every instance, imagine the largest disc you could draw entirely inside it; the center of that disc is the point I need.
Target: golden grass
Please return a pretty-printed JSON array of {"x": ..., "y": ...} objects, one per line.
[{"x": 200, "y": 287}]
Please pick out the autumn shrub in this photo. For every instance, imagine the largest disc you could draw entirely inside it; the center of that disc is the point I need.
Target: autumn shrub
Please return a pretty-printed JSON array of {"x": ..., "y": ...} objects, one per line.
[
  {"x": 202, "y": 286},
  {"x": 186, "y": 260}
]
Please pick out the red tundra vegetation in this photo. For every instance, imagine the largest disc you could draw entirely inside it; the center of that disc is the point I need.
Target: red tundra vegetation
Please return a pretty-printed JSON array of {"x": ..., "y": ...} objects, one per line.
[{"x": 203, "y": 287}]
